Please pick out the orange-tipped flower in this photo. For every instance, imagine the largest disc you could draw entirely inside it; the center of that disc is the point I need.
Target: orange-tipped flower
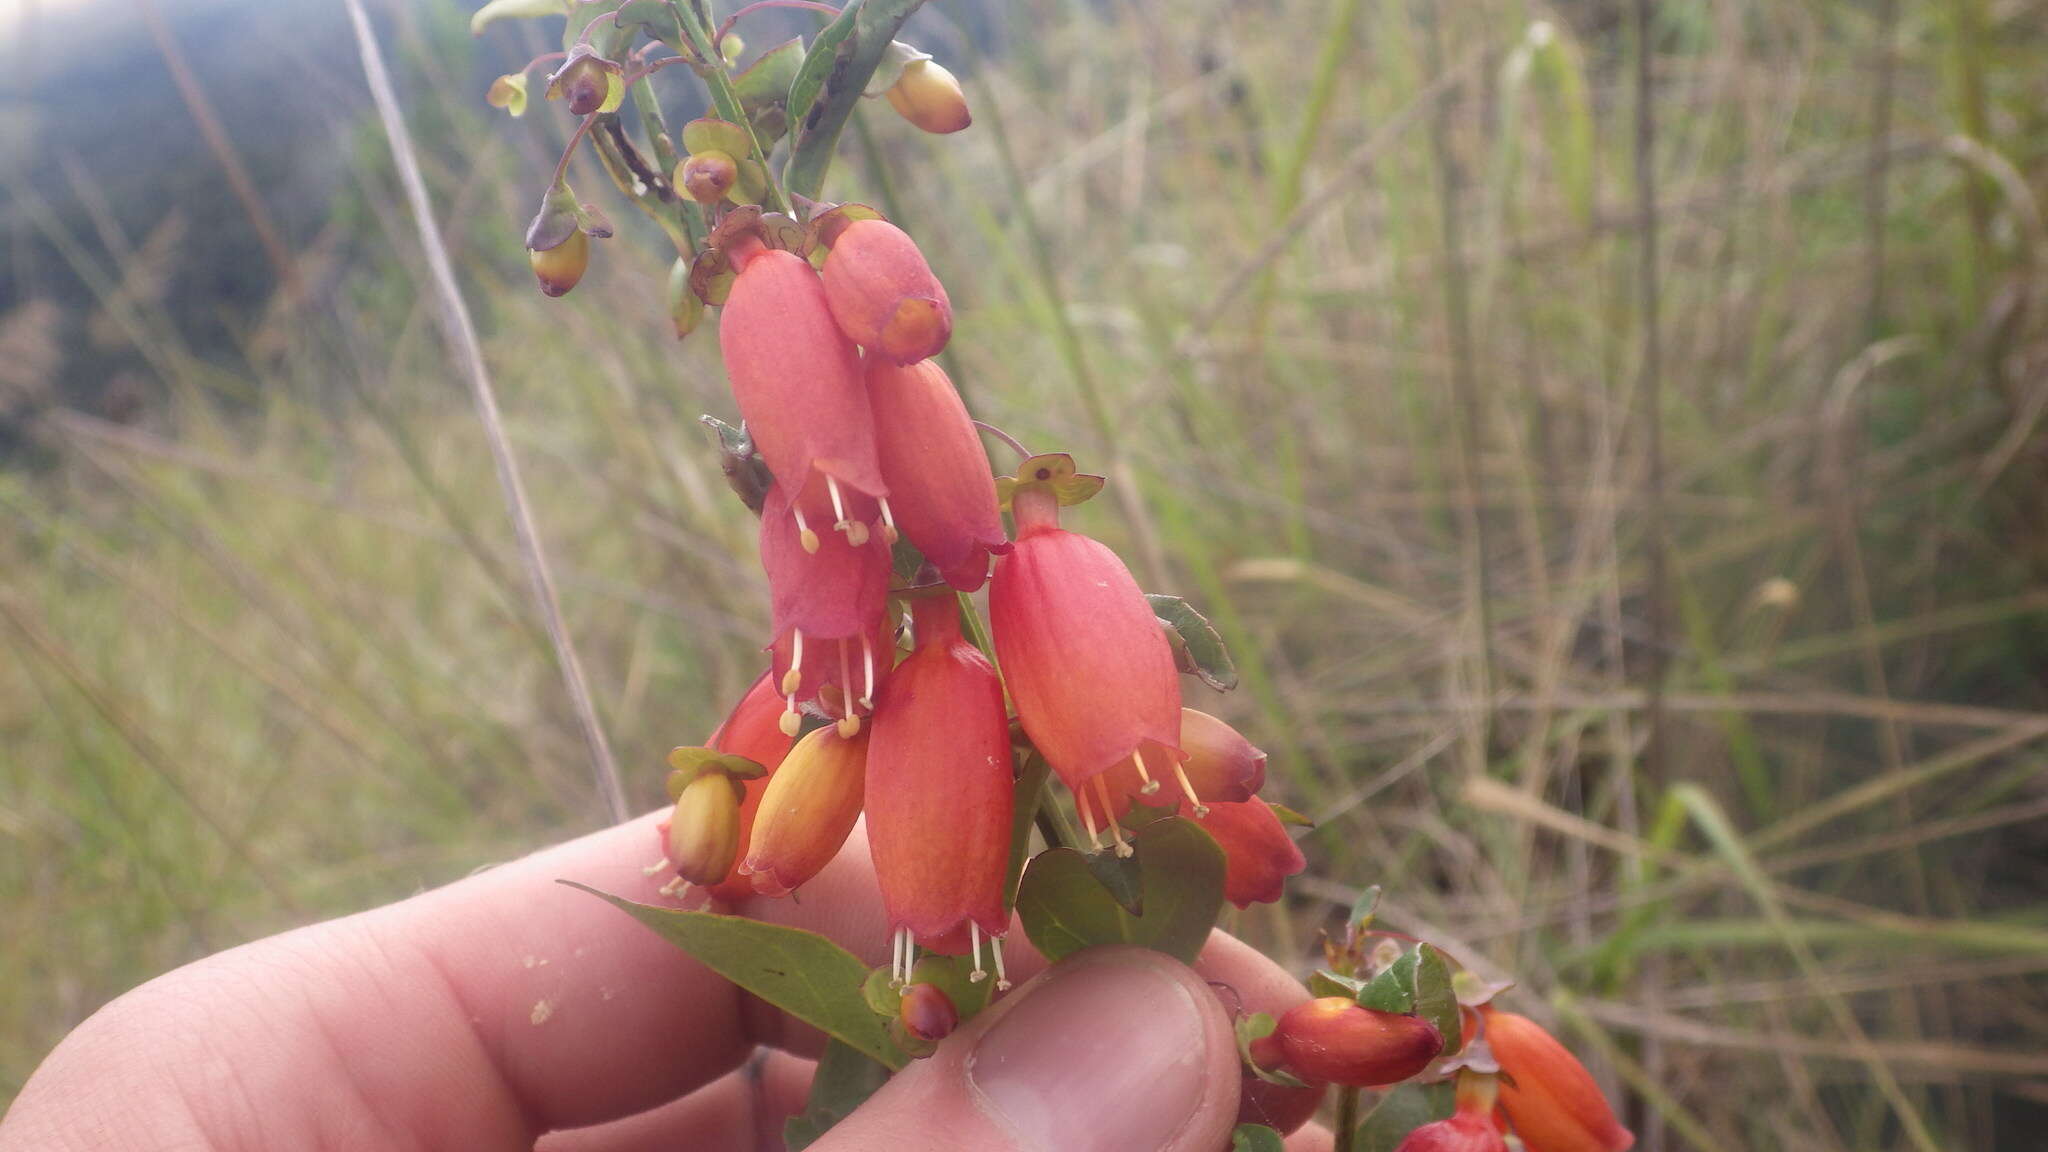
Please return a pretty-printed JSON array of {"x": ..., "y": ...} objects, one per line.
[
  {"x": 753, "y": 730},
  {"x": 1258, "y": 854},
  {"x": 1548, "y": 1096},
  {"x": 810, "y": 805},
  {"x": 884, "y": 295},
  {"x": 939, "y": 788},
  {"x": 702, "y": 835},
  {"x": 929, "y": 97},
  {"x": 941, "y": 489},
  {"x": 1084, "y": 657},
  {"x": 1334, "y": 1041},
  {"x": 797, "y": 381},
  {"x": 1470, "y": 1128}
]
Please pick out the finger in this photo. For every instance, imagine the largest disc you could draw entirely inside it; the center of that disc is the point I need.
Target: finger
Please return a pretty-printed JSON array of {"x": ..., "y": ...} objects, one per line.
[
  {"x": 1115, "y": 1050},
  {"x": 742, "y": 1111},
  {"x": 1313, "y": 1138}
]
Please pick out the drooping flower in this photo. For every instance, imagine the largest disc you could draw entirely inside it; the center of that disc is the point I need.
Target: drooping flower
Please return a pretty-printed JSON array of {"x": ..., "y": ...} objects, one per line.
[
  {"x": 826, "y": 598},
  {"x": 941, "y": 488},
  {"x": 1470, "y": 1128},
  {"x": 835, "y": 679},
  {"x": 810, "y": 805},
  {"x": 753, "y": 730},
  {"x": 1222, "y": 767},
  {"x": 883, "y": 294},
  {"x": 939, "y": 790},
  {"x": 1258, "y": 854},
  {"x": 1548, "y": 1096},
  {"x": 1083, "y": 655},
  {"x": 797, "y": 381},
  {"x": 1333, "y": 1040},
  {"x": 929, "y": 96}
]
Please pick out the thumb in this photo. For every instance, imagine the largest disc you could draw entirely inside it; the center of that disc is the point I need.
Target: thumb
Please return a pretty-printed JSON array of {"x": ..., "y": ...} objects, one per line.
[{"x": 1112, "y": 1050}]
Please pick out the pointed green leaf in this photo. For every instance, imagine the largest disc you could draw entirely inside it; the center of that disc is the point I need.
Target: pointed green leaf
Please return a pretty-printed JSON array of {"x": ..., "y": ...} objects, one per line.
[
  {"x": 1393, "y": 990},
  {"x": 1364, "y": 908},
  {"x": 1065, "y": 908},
  {"x": 800, "y": 972},
  {"x": 763, "y": 89},
  {"x": 1030, "y": 792},
  {"x": 817, "y": 64},
  {"x": 829, "y": 84},
  {"x": 1326, "y": 983},
  {"x": 1435, "y": 999},
  {"x": 1196, "y": 644}
]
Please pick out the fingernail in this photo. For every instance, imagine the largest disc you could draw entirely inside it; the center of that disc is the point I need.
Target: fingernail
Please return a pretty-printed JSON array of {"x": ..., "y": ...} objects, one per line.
[{"x": 1105, "y": 1054}]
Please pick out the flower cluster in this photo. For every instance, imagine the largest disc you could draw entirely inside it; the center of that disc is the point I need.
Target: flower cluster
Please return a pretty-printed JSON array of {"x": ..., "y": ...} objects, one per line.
[{"x": 876, "y": 471}]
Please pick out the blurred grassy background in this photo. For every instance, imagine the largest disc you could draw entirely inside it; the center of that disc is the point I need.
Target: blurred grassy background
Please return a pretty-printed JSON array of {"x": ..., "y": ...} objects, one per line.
[{"x": 1302, "y": 278}]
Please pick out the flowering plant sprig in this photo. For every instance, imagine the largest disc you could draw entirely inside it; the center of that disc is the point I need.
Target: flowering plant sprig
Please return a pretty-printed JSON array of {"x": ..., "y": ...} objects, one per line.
[{"x": 887, "y": 692}]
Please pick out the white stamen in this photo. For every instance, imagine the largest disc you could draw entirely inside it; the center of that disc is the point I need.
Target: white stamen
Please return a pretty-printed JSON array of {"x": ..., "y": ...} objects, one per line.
[
  {"x": 804, "y": 535},
  {"x": 995, "y": 950},
  {"x": 889, "y": 533},
  {"x": 899, "y": 958},
  {"x": 657, "y": 868},
  {"x": 794, "y": 678},
  {"x": 1151, "y": 785},
  {"x": 1088, "y": 820},
  {"x": 674, "y": 887},
  {"x": 974, "y": 953},
  {"x": 1116, "y": 832},
  {"x": 867, "y": 659},
  {"x": 1188, "y": 790},
  {"x": 838, "y": 505}
]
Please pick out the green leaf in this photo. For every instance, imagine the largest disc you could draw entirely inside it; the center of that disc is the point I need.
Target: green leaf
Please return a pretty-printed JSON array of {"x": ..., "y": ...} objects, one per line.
[
  {"x": 1121, "y": 877},
  {"x": 1196, "y": 644},
  {"x": 1364, "y": 908},
  {"x": 827, "y": 87},
  {"x": 763, "y": 89},
  {"x": 1393, "y": 990},
  {"x": 845, "y": 1078},
  {"x": 1398, "y": 1113},
  {"x": 1030, "y": 792},
  {"x": 817, "y": 64},
  {"x": 498, "y": 10},
  {"x": 1435, "y": 999},
  {"x": 885, "y": 1000},
  {"x": 1255, "y": 1138},
  {"x": 1065, "y": 908},
  {"x": 1288, "y": 815},
  {"x": 1325, "y": 983},
  {"x": 800, "y": 972}
]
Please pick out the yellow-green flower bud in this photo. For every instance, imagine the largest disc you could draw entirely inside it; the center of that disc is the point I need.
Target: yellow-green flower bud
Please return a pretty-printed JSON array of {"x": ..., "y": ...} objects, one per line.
[
  {"x": 704, "y": 830},
  {"x": 560, "y": 268}
]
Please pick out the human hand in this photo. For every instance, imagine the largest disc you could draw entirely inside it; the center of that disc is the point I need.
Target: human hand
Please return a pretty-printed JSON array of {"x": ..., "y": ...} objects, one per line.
[{"x": 505, "y": 1010}]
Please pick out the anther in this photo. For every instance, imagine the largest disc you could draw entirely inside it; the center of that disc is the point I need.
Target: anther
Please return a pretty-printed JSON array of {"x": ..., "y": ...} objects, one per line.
[
  {"x": 1150, "y": 785},
  {"x": 674, "y": 886},
  {"x": 974, "y": 953},
  {"x": 804, "y": 535},
  {"x": 1188, "y": 790},
  {"x": 849, "y": 727},
  {"x": 995, "y": 950},
  {"x": 790, "y": 721},
  {"x": 889, "y": 533}
]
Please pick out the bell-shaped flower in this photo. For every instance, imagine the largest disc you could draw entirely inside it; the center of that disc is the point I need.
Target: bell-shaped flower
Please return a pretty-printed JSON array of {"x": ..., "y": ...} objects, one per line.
[
  {"x": 1333, "y": 1040},
  {"x": 1468, "y": 1129},
  {"x": 826, "y": 596},
  {"x": 884, "y": 295},
  {"x": 810, "y": 805},
  {"x": 1086, "y": 662},
  {"x": 942, "y": 493},
  {"x": 940, "y": 790},
  {"x": 1258, "y": 854},
  {"x": 797, "y": 381},
  {"x": 1548, "y": 1096}
]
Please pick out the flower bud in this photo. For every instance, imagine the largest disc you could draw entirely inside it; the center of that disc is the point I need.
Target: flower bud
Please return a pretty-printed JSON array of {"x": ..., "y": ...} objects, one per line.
[
  {"x": 704, "y": 830},
  {"x": 1082, "y": 653},
  {"x": 584, "y": 81},
  {"x": 707, "y": 177},
  {"x": 1258, "y": 854},
  {"x": 561, "y": 268},
  {"x": 942, "y": 493},
  {"x": 811, "y": 804},
  {"x": 939, "y": 788},
  {"x": 883, "y": 295},
  {"x": 929, "y": 97},
  {"x": 928, "y": 1013},
  {"x": 797, "y": 379},
  {"x": 1334, "y": 1041},
  {"x": 1549, "y": 1097},
  {"x": 752, "y": 730}
]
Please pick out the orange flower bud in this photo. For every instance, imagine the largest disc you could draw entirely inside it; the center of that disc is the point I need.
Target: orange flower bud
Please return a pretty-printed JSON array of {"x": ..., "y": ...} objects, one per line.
[
  {"x": 797, "y": 381},
  {"x": 1258, "y": 854},
  {"x": 929, "y": 97},
  {"x": 707, "y": 177},
  {"x": 1334, "y": 1041},
  {"x": 942, "y": 492},
  {"x": 939, "y": 788},
  {"x": 928, "y": 1013},
  {"x": 1084, "y": 657},
  {"x": 810, "y": 805},
  {"x": 753, "y": 730},
  {"x": 1548, "y": 1096},
  {"x": 703, "y": 837},
  {"x": 561, "y": 268},
  {"x": 884, "y": 295}
]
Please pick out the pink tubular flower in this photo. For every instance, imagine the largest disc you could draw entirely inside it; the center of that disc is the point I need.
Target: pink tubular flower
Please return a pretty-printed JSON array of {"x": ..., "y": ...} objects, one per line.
[
  {"x": 941, "y": 489},
  {"x": 884, "y": 295},
  {"x": 1084, "y": 657},
  {"x": 1549, "y": 1097},
  {"x": 826, "y": 602},
  {"x": 939, "y": 790},
  {"x": 797, "y": 381},
  {"x": 808, "y": 809},
  {"x": 1258, "y": 854}
]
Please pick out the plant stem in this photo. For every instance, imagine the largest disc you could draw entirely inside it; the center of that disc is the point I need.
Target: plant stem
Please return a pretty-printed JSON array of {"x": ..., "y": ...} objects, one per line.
[{"x": 1347, "y": 1118}]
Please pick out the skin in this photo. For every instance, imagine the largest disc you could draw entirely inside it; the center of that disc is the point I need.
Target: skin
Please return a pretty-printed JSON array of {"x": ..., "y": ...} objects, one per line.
[{"x": 507, "y": 1011}]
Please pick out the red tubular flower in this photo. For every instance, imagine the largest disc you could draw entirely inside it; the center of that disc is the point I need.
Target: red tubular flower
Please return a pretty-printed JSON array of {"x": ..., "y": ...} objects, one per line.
[
  {"x": 941, "y": 490},
  {"x": 884, "y": 295},
  {"x": 1470, "y": 1128},
  {"x": 753, "y": 730},
  {"x": 1084, "y": 657},
  {"x": 1334, "y": 1041},
  {"x": 939, "y": 789},
  {"x": 1548, "y": 1096},
  {"x": 1222, "y": 767},
  {"x": 1258, "y": 854},
  {"x": 797, "y": 381},
  {"x": 808, "y": 809},
  {"x": 825, "y": 602}
]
